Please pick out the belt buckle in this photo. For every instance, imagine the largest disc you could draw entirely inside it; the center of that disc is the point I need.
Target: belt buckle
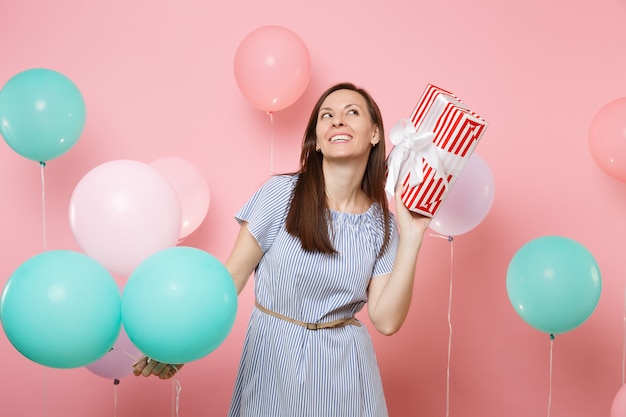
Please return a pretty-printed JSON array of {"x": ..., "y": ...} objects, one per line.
[{"x": 312, "y": 326}]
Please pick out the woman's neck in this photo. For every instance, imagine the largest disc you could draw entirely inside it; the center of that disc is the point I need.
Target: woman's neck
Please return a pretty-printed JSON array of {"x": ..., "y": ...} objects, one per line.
[{"x": 343, "y": 189}]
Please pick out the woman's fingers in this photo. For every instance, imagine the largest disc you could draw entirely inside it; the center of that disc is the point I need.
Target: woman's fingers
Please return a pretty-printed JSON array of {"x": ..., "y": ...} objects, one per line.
[
  {"x": 159, "y": 368},
  {"x": 147, "y": 371},
  {"x": 168, "y": 372},
  {"x": 146, "y": 367},
  {"x": 140, "y": 365}
]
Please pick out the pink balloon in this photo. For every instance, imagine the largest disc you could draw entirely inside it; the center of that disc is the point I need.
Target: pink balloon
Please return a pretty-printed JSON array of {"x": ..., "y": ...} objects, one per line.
[
  {"x": 122, "y": 212},
  {"x": 468, "y": 201},
  {"x": 272, "y": 67},
  {"x": 607, "y": 139},
  {"x": 118, "y": 362},
  {"x": 191, "y": 188},
  {"x": 618, "y": 407}
]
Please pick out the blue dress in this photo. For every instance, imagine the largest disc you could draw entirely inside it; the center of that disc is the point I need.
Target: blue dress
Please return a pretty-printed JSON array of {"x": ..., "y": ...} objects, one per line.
[{"x": 287, "y": 370}]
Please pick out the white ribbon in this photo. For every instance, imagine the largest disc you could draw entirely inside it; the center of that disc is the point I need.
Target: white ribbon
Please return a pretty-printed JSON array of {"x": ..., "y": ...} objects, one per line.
[{"x": 407, "y": 156}]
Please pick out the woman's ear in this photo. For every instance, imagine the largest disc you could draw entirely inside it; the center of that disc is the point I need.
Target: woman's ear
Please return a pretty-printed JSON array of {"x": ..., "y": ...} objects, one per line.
[{"x": 375, "y": 136}]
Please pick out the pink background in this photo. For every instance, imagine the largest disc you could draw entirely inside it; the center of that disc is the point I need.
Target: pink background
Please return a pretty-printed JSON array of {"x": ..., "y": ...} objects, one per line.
[{"x": 157, "y": 78}]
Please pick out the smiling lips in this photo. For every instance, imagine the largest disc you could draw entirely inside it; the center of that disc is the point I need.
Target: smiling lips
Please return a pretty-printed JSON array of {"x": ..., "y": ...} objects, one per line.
[{"x": 340, "y": 138}]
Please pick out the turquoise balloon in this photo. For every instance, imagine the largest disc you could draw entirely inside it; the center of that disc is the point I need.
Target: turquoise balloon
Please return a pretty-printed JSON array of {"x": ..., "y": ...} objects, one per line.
[
  {"x": 61, "y": 309},
  {"x": 554, "y": 284},
  {"x": 179, "y": 305},
  {"x": 42, "y": 114}
]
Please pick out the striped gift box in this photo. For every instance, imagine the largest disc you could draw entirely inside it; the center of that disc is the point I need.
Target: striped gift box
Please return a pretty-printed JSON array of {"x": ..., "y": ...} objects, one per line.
[{"x": 428, "y": 172}]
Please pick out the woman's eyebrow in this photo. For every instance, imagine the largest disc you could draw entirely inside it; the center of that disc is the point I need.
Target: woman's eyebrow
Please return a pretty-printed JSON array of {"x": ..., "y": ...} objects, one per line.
[{"x": 345, "y": 107}]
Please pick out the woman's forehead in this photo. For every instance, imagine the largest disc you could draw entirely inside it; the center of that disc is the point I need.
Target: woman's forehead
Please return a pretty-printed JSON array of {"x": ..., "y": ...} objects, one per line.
[{"x": 342, "y": 98}]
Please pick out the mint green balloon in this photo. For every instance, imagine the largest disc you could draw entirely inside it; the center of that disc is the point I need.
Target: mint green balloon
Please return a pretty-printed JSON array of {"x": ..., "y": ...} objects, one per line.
[
  {"x": 61, "y": 309},
  {"x": 179, "y": 305},
  {"x": 42, "y": 114},
  {"x": 554, "y": 284}
]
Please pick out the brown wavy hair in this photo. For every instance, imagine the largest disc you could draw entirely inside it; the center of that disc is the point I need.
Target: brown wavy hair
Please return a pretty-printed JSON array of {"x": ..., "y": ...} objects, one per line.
[{"x": 309, "y": 216}]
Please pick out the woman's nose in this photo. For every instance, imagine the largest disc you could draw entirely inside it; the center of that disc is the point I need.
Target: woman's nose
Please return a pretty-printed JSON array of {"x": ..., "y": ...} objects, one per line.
[{"x": 337, "y": 120}]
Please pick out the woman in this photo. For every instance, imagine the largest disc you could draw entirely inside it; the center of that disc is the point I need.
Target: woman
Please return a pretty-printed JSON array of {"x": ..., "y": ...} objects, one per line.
[{"x": 322, "y": 243}]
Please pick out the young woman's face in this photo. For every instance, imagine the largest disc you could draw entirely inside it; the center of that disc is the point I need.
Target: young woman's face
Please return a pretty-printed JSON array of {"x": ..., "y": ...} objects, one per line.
[{"x": 344, "y": 126}]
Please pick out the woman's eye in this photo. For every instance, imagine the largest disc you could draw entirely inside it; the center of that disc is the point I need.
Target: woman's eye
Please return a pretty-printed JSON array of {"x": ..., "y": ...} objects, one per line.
[
  {"x": 325, "y": 115},
  {"x": 353, "y": 111}
]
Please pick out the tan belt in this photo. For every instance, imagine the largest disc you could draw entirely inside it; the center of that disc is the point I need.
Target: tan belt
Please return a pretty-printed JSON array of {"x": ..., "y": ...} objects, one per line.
[{"x": 311, "y": 326}]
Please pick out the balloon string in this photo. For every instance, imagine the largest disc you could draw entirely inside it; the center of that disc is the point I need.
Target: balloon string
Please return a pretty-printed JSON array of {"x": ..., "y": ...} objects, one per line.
[
  {"x": 176, "y": 389},
  {"x": 115, "y": 384},
  {"x": 42, "y": 165},
  {"x": 130, "y": 355},
  {"x": 451, "y": 240},
  {"x": 550, "y": 385},
  {"x": 271, "y": 115},
  {"x": 45, "y": 392},
  {"x": 624, "y": 340}
]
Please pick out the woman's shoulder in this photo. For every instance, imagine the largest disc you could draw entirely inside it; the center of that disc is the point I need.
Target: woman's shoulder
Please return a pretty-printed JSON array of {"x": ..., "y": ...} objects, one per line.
[
  {"x": 272, "y": 196},
  {"x": 283, "y": 179},
  {"x": 277, "y": 187},
  {"x": 280, "y": 182}
]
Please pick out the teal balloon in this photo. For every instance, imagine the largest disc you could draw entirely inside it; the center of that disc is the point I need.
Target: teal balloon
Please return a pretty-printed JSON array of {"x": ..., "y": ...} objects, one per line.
[
  {"x": 554, "y": 284},
  {"x": 42, "y": 114},
  {"x": 179, "y": 305},
  {"x": 61, "y": 309}
]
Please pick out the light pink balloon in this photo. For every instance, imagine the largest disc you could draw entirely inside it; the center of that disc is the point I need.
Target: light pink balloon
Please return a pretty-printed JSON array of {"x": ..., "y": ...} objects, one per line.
[
  {"x": 607, "y": 139},
  {"x": 192, "y": 190},
  {"x": 123, "y": 211},
  {"x": 618, "y": 406},
  {"x": 469, "y": 200},
  {"x": 272, "y": 67},
  {"x": 117, "y": 363}
]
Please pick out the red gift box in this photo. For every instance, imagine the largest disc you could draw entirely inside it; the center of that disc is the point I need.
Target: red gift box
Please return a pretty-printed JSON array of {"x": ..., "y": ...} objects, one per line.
[{"x": 431, "y": 149}]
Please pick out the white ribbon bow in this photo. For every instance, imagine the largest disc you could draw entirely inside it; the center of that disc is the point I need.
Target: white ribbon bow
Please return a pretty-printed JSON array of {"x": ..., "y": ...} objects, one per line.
[{"x": 407, "y": 156}]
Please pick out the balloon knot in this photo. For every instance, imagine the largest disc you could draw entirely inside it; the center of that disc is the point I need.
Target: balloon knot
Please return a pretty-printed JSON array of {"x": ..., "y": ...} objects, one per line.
[
  {"x": 116, "y": 381},
  {"x": 551, "y": 336},
  {"x": 42, "y": 163},
  {"x": 450, "y": 238}
]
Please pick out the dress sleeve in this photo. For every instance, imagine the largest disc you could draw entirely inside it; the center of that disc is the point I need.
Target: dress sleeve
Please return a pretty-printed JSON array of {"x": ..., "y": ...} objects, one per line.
[
  {"x": 384, "y": 264},
  {"x": 267, "y": 209}
]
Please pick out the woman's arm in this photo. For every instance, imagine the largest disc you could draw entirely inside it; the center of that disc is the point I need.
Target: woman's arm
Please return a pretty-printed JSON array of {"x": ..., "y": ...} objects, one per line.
[
  {"x": 389, "y": 296},
  {"x": 244, "y": 257}
]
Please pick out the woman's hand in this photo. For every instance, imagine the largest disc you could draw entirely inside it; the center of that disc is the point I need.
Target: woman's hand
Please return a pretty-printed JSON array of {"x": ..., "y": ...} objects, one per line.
[
  {"x": 408, "y": 221},
  {"x": 146, "y": 367}
]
